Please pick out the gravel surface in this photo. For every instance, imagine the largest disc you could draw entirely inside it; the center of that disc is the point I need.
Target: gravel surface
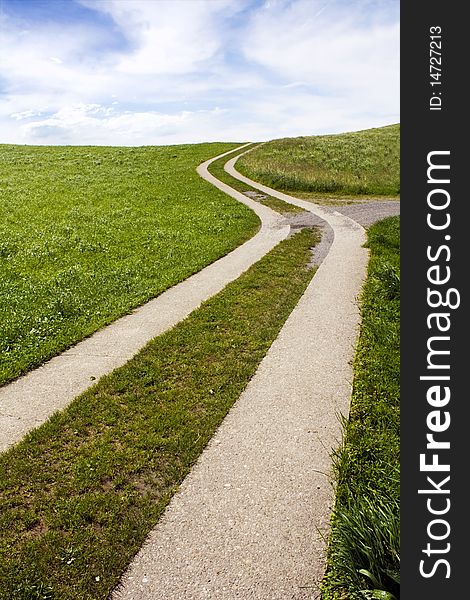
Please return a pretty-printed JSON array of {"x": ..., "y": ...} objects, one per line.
[{"x": 369, "y": 212}]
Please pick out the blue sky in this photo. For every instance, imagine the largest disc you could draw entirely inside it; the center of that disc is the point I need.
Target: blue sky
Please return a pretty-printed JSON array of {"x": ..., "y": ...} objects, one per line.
[{"x": 138, "y": 72}]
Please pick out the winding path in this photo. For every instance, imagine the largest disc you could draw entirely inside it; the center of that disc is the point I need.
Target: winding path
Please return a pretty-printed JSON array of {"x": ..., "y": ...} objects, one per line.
[
  {"x": 34, "y": 397},
  {"x": 251, "y": 518}
]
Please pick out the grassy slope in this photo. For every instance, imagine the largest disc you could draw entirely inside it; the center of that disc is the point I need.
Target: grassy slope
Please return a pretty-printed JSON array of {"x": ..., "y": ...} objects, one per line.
[
  {"x": 362, "y": 163},
  {"x": 75, "y": 506},
  {"x": 79, "y": 494},
  {"x": 367, "y": 507},
  {"x": 88, "y": 233}
]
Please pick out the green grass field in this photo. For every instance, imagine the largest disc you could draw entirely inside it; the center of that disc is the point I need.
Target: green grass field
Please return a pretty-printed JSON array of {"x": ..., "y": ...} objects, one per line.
[
  {"x": 363, "y": 163},
  {"x": 366, "y": 523},
  {"x": 79, "y": 494},
  {"x": 89, "y": 233}
]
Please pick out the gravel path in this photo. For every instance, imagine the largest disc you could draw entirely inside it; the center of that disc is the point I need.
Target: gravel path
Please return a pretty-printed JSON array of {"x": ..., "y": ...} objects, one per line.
[
  {"x": 250, "y": 519},
  {"x": 33, "y": 398},
  {"x": 371, "y": 211}
]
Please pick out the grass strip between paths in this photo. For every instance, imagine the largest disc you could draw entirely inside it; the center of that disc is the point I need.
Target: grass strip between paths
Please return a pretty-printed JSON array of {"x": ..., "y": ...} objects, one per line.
[
  {"x": 217, "y": 169},
  {"x": 366, "y": 523},
  {"x": 79, "y": 495}
]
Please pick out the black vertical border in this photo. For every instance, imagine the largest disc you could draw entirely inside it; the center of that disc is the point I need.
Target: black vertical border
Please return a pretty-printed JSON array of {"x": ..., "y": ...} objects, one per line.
[{"x": 423, "y": 131}]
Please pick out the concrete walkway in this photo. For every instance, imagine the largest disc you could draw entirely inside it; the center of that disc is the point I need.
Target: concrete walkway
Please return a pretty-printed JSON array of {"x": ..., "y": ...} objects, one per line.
[
  {"x": 250, "y": 520},
  {"x": 33, "y": 398}
]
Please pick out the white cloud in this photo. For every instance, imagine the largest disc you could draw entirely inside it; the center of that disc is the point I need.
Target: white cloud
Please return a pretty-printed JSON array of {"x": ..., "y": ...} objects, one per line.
[
  {"x": 26, "y": 114},
  {"x": 96, "y": 124},
  {"x": 174, "y": 71},
  {"x": 341, "y": 50},
  {"x": 168, "y": 37}
]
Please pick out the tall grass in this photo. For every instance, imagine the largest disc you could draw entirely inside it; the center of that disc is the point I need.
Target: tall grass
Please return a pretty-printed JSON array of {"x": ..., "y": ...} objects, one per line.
[
  {"x": 368, "y": 545},
  {"x": 364, "y": 545},
  {"x": 362, "y": 163}
]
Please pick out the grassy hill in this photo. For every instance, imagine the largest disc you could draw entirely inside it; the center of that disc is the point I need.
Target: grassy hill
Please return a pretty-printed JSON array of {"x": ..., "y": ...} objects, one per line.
[
  {"x": 89, "y": 233},
  {"x": 362, "y": 163},
  {"x": 85, "y": 235}
]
